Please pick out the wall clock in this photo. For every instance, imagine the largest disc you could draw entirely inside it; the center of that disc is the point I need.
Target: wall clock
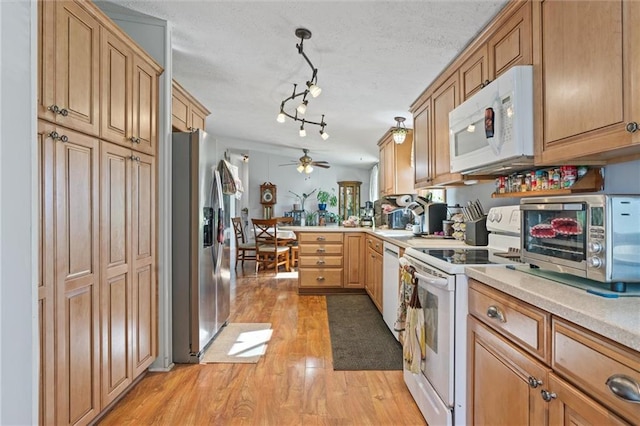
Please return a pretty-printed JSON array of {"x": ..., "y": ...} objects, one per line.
[{"x": 267, "y": 193}]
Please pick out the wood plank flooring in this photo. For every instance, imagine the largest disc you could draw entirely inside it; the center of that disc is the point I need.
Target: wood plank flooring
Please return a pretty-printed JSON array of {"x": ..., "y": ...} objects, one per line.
[{"x": 293, "y": 383}]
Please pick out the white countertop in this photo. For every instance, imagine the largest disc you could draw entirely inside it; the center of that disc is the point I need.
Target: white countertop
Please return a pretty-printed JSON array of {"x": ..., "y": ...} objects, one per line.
[{"x": 617, "y": 319}]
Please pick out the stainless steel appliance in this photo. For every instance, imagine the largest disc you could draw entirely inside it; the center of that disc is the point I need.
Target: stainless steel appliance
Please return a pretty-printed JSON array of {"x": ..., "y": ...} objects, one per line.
[
  {"x": 493, "y": 130},
  {"x": 366, "y": 218},
  {"x": 439, "y": 389},
  {"x": 398, "y": 218},
  {"x": 590, "y": 236},
  {"x": 200, "y": 259}
]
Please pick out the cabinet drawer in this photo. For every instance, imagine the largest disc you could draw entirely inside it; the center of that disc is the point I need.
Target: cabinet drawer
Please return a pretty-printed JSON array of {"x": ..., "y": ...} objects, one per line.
[
  {"x": 589, "y": 361},
  {"x": 320, "y": 237},
  {"x": 320, "y": 249},
  {"x": 320, "y": 277},
  {"x": 375, "y": 244},
  {"x": 524, "y": 324},
  {"x": 320, "y": 261}
]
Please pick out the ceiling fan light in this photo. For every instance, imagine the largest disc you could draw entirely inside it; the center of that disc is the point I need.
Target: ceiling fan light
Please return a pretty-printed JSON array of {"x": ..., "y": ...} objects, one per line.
[
  {"x": 280, "y": 118},
  {"x": 300, "y": 168},
  {"x": 313, "y": 89},
  {"x": 308, "y": 169},
  {"x": 324, "y": 135},
  {"x": 303, "y": 132}
]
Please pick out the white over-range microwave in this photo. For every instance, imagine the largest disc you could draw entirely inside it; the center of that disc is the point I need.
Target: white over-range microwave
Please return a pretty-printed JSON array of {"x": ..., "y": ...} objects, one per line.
[{"x": 492, "y": 132}]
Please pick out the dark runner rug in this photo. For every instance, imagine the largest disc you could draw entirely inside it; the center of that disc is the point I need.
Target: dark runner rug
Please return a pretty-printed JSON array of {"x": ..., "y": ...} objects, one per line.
[{"x": 360, "y": 339}]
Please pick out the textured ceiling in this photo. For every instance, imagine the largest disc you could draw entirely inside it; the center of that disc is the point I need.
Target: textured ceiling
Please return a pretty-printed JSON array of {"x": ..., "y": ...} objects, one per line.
[{"x": 374, "y": 58}]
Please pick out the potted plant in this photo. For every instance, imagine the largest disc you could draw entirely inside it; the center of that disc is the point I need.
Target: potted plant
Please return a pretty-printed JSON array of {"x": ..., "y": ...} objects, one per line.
[{"x": 325, "y": 197}]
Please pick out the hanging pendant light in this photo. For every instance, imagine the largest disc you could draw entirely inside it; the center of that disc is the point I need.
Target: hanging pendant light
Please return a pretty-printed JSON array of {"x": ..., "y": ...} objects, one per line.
[{"x": 399, "y": 132}]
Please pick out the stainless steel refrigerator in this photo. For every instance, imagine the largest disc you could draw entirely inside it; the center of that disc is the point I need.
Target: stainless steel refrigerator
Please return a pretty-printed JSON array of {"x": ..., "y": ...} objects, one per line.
[{"x": 200, "y": 260}]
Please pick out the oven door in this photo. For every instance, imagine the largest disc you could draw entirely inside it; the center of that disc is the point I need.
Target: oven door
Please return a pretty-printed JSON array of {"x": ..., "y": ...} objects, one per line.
[
  {"x": 554, "y": 236},
  {"x": 436, "y": 292}
]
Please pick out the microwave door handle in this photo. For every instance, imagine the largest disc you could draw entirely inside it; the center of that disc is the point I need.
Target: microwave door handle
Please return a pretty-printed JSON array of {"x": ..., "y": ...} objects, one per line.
[{"x": 432, "y": 279}]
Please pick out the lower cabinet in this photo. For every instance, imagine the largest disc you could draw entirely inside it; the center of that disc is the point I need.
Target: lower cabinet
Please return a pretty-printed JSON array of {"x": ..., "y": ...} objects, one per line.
[
  {"x": 373, "y": 270},
  {"x": 513, "y": 379},
  {"x": 354, "y": 256},
  {"x": 97, "y": 292},
  {"x": 320, "y": 260}
]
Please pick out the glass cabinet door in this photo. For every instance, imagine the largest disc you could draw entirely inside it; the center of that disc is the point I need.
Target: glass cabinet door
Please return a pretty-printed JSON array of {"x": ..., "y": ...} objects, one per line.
[{"x": 348, "y": 199}]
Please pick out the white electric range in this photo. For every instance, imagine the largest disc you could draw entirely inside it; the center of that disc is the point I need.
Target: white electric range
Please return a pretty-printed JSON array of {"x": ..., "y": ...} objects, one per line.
[{"x": 439, "y": 389}]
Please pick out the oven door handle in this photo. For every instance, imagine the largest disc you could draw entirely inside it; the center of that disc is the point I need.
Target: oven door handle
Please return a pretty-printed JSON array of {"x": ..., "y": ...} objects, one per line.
[{"x": 432, "y": 279}]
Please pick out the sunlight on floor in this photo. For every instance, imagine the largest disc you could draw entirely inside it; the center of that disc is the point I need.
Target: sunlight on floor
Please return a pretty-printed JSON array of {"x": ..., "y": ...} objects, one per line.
[
  {"x": 251, "y": 343},
  {"x": 292, "y": 274}
]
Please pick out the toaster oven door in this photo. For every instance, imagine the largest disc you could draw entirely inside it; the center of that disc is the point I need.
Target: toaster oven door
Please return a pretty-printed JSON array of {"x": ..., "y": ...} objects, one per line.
[{"x": 555, "y": 234}]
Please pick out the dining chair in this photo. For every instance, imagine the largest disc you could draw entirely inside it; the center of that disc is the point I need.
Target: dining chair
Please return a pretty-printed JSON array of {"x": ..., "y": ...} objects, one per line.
[
  {"x": 268, "y": 250},
  {"x": 292, "y": 243},
  {"x": 245, "y": 250}
]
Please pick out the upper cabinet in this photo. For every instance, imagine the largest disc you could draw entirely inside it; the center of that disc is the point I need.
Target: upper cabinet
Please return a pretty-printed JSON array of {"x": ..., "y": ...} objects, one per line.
[
  {"x": 587, "y": 95},
  {"x": 507, "y": 41},
  {"x": 187, "y": 114},
  {"x": 396, "y": 170}
]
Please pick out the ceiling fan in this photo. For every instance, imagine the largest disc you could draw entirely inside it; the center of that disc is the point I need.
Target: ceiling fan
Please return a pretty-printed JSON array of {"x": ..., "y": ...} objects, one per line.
[{"x": 306, "y": 163}]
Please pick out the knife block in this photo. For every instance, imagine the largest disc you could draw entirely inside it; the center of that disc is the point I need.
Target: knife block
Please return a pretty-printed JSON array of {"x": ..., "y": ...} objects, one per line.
[{"x": 476, "y": 233}]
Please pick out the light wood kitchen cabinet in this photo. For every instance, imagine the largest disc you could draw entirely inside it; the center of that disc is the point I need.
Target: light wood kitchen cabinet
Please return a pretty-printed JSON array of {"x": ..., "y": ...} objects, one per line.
[
  {"x": 373, "y": 270},
  {"x": 76, "y": 253},
  {"x": 586, "y": 89},
  {"x": 187, "y": 113},
  {"x": 422, "y": 136},
  {"x": 474, "y": 72},
  {"x": 444, "y": 99},
  {"x": 321, "y": 260},
  {"x": 511, "y": 43},
  {"x": 145, "y": 105},
  {"x": 69, "y": 41},
  {"x": 565, "y": 384},
  {"x": 354, "y": 259},
  {"x": 396, "y": 173},
  {"x": 499, "y": 388}
]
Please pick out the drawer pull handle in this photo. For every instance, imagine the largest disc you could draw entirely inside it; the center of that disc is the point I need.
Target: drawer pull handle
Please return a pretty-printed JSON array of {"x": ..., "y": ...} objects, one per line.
[
  {"x": 320, "y": 250},
  {"x": 320, "y": 262},
  {"x": 624, "y": 387},
  {"x": 321, "y": 238},
  {"x": 495, "y": 313},
  {"x": 533, "y": 382},
  {"x": 548, "y": 396},
  {"x": 320, "y": 278}
]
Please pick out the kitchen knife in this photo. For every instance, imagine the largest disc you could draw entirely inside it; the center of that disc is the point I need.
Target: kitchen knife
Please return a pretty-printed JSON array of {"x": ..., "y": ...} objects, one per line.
[{"x": 480, "y": 207}]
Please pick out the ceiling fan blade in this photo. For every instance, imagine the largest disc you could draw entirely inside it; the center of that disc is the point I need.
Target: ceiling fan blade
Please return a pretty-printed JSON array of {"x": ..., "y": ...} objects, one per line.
[
  {"x": 324, "y": 166},
  {"x": 321, "y": 162}
]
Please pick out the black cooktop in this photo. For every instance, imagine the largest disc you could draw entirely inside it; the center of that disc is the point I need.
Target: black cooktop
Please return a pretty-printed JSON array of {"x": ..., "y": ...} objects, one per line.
[{"x": 460, "y": 256}]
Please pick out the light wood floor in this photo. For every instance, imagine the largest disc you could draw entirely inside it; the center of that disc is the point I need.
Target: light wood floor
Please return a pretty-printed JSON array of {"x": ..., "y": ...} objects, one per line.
[{"x": 293, "y": 384}]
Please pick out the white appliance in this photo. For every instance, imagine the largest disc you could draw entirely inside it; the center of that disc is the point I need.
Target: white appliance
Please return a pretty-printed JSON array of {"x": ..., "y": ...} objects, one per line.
[
  {"x": 439, "y": 389},
  {"x": 390, "y": 285},
  {"x": 200, "y": 290},
  {"x": 492, "y": 132}
]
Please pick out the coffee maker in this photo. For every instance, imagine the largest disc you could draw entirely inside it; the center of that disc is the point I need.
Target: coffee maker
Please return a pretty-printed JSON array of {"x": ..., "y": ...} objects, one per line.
[{"x": 367, "y": 214}]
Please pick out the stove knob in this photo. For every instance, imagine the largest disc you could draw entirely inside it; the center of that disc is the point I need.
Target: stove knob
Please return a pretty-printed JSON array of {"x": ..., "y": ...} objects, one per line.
[
  {"x": 595, "y": 262},
  {"x": 595, "y": 247}
]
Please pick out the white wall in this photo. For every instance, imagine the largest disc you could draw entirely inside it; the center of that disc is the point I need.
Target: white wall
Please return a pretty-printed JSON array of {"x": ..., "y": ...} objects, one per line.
[
  {"x": 18, "y": 214},
  {"x": 265, "y": 167}
]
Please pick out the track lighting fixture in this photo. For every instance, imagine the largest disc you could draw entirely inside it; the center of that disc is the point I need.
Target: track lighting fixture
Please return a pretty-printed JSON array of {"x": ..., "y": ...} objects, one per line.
[
  {"x": 399, "y": 132},
  {"x": 312, "y": 89}
]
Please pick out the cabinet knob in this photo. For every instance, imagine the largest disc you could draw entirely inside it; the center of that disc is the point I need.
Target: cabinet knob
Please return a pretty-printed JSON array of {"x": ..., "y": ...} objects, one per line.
[
  {"x": 624, "y": 387},
  {"x": 57, "y": 137},
  {"x": 632, "y": 127},
  {"x": 495, "y": 313},
  {"x": 320, "y": 238},
  {"x": 54, "y": 108},
  {"x": 548, "y": 396},
  {"x": 135, "y": 139},
  {"x": 320, "y": 262},
  {"x": 533, "y": 382},
  {"x": 63, "y": 112},
  {"x": 320, "y": 250},
  {"x": 64, "y": 138},
  {"x": 320, "y": 278}
]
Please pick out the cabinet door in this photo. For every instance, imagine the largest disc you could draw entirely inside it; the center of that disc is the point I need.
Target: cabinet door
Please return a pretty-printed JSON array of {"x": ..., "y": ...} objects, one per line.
[
  {"x": 197, "y": 118},
  {"x": 143, "y": 238},
  {"x": 382, "y": 171},
  {"x": 511, "y": 44},
  {"x": 179, "y": 111},
  {"x": 474, "y": 73},
  {"x": 389, "y": 168},
  {"x": 46, "y": 60},
  {"x": 445, "y": 99},
  {"x": 115, "y": 89},
  {"x": 46, "y": 250},
  {"x": 377, "y": 280},
  {"x": 145, "y": 106},
  {"x": 77, "y": 275},
  {"x": 77, "y": 68},
  {"x": 421, "y": 144},
  {"x": 498, "y": 390},
  {"x": 582, "y": 87},
  {"x": 115, "y": 285},
  {"x": 354, "y": 265},
  {"x": 569, "y": 406}
]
